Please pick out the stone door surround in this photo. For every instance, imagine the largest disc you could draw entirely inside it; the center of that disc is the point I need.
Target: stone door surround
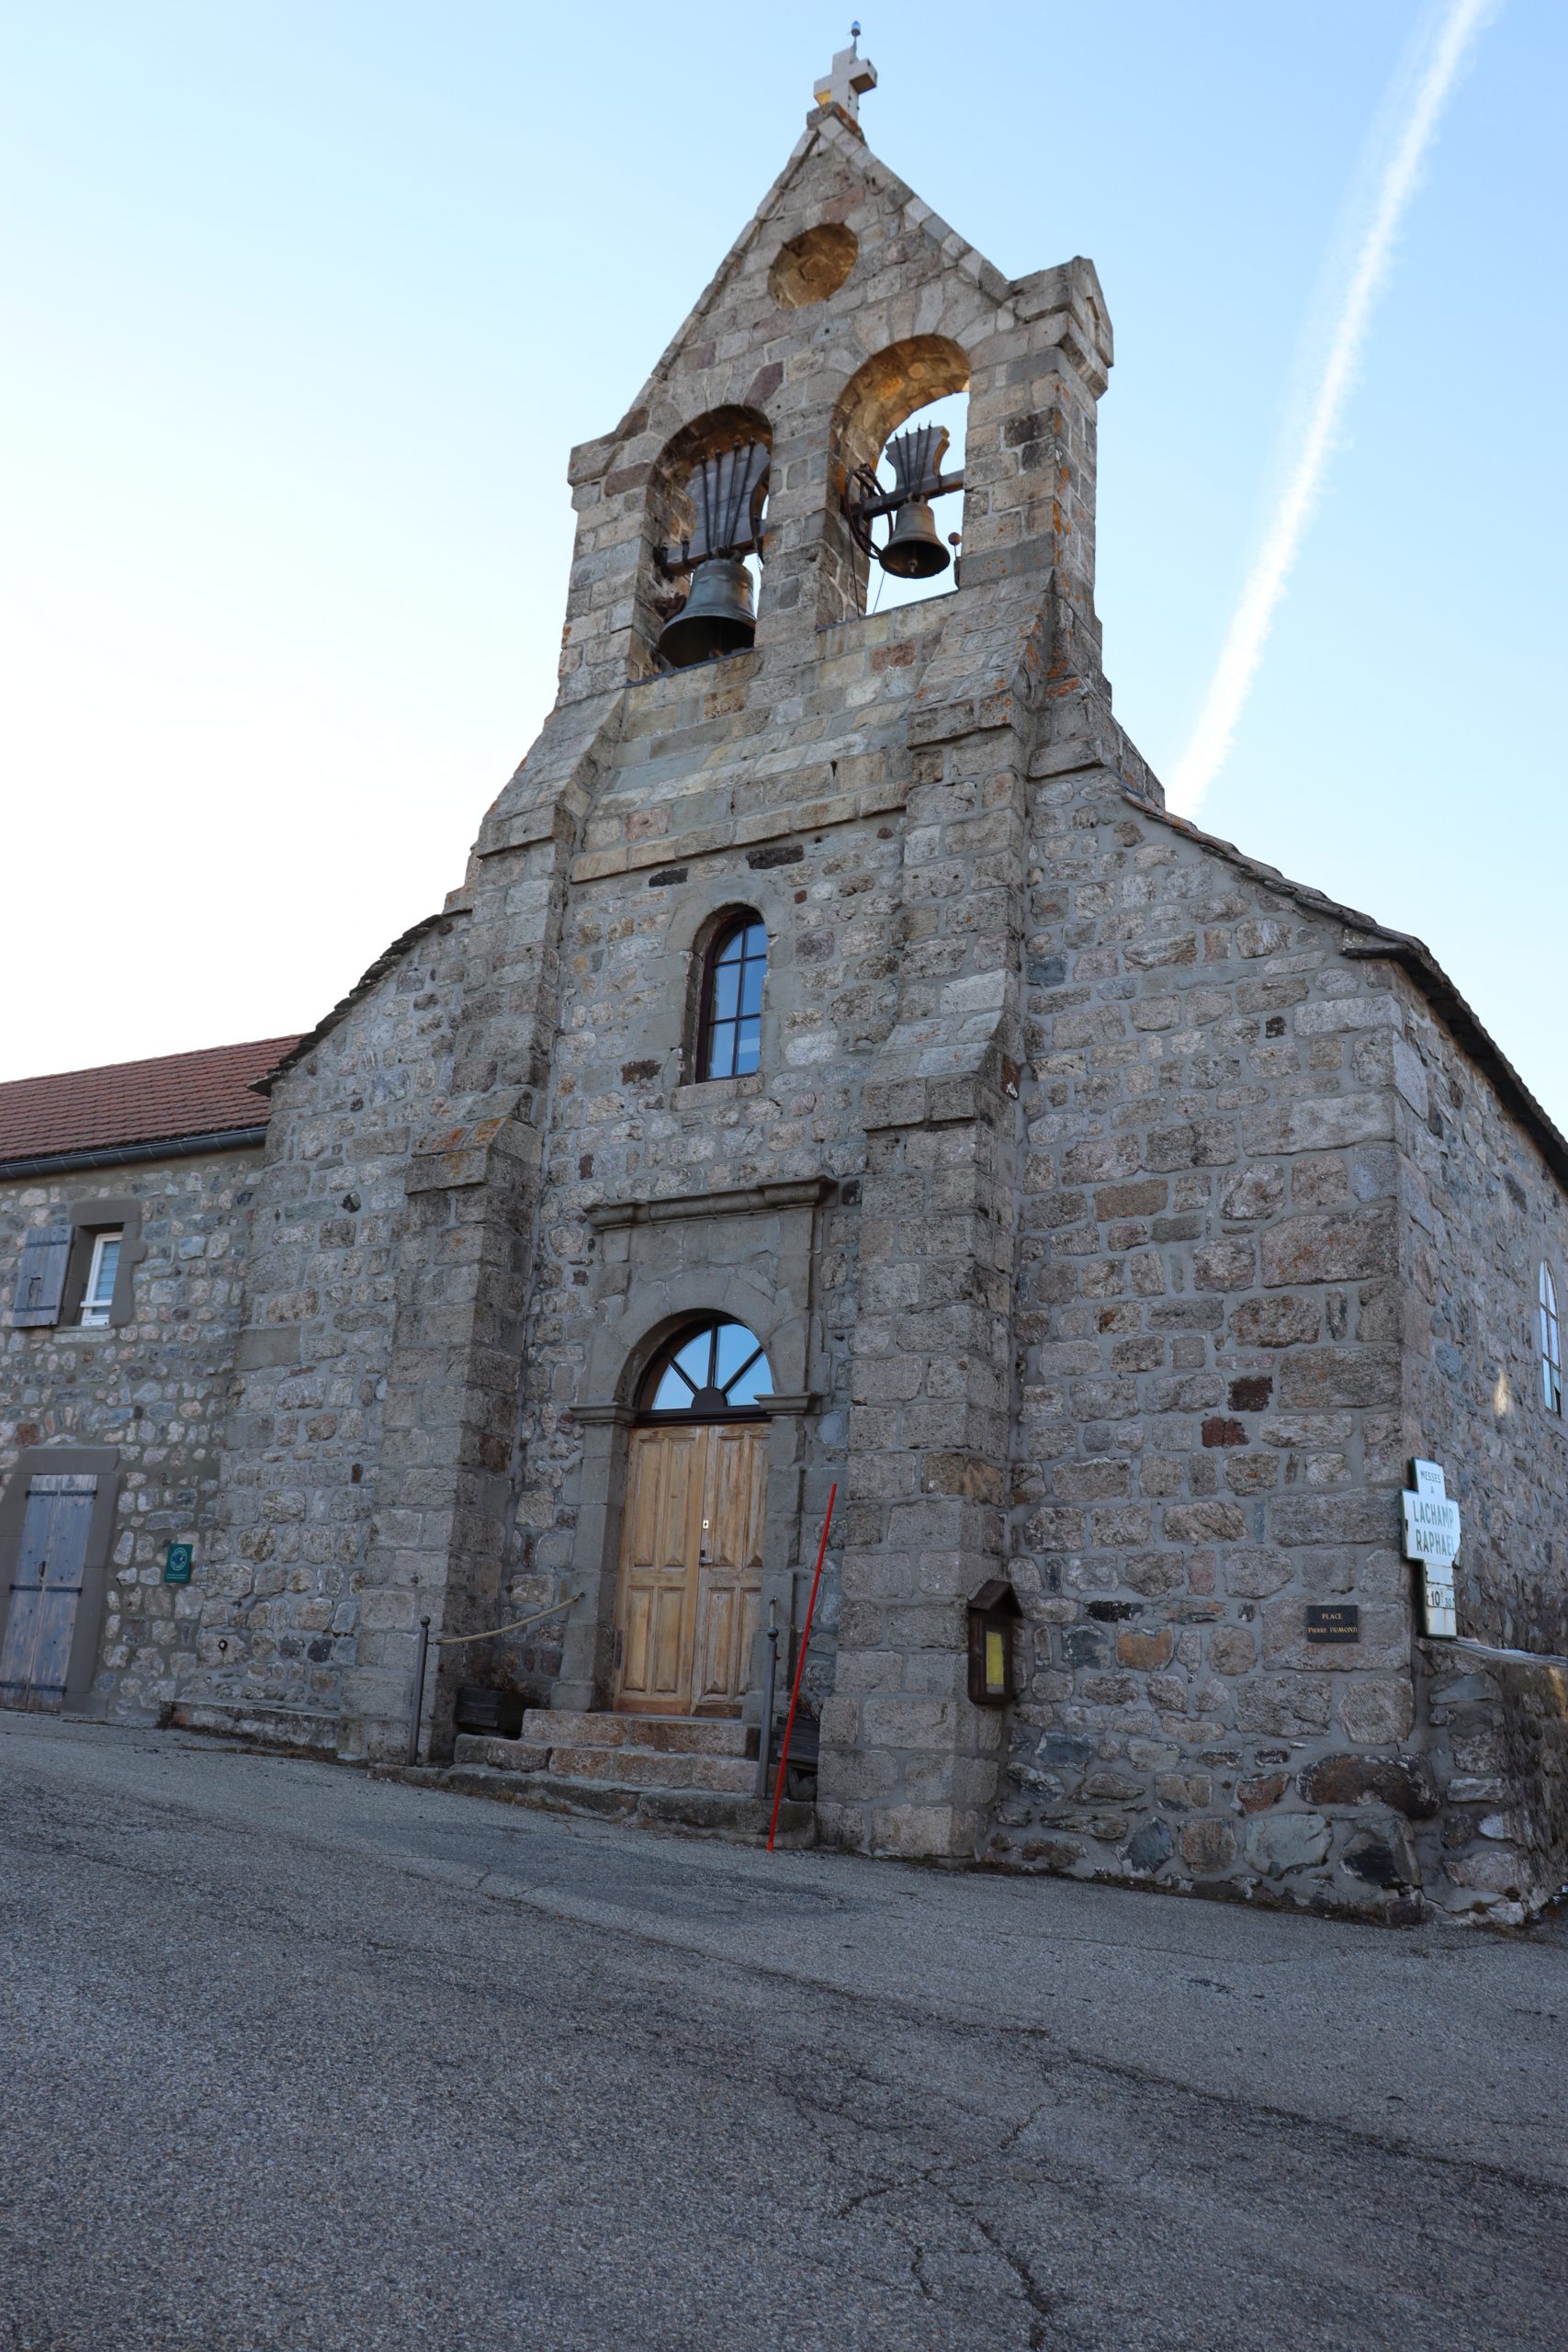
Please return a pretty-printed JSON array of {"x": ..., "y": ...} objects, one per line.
[
  {"x": 747, "y": 1253},
  {"x": 102, "y": 1463}
]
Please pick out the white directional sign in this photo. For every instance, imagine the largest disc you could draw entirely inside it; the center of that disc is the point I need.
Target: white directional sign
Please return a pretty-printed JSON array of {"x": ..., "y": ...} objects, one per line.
[{"x": 1431, "y": 1537}]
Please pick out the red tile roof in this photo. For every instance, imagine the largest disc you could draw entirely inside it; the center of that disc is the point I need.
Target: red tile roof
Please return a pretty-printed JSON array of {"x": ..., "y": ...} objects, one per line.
[{"x": 152, "y": 1101}]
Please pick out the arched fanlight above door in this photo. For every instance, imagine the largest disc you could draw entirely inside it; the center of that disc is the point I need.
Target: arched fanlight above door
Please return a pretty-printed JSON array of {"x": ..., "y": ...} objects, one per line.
[{"x": 719, "y": 1368}]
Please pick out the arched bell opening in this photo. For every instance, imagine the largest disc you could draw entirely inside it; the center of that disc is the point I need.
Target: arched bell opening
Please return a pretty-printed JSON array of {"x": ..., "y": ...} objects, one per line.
[
  {"x": 706, "y": 500},
  {"x": 890, "y": 508}
]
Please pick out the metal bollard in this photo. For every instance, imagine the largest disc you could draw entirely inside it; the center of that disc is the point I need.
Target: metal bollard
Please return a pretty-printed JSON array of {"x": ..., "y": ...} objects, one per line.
[{"x": 419, "y": 1689}]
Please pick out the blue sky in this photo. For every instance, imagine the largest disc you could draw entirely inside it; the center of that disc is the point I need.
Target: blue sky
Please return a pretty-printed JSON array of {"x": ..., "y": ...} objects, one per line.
[{"x": 311, "y": 302}]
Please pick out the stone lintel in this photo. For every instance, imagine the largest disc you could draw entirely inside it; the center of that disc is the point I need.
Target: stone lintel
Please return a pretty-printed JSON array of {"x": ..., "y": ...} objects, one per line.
[
  {"x": 746, "y": 1200},
  {"x": 615, "y": 1415}
]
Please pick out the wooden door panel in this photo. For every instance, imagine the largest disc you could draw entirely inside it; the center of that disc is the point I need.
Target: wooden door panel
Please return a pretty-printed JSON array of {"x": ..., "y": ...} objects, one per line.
[
  {"x": 671, "y": 1672},
  {"x": 729, "y": 1588},
  {"x": 666, "y": 1473},
  {"x": 636, "y": 1609},
  {"x": 46, "y": 1590},
  {"x": 20, "y": 1642},
  {"x": 740, "y": 1473},
  {"x": 728, "y": 1613},
  {"x": 714, "y": 1677}
]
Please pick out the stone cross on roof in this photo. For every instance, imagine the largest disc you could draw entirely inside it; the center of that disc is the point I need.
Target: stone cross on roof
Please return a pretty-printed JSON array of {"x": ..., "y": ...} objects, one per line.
[{"x": 851, "y": 74}]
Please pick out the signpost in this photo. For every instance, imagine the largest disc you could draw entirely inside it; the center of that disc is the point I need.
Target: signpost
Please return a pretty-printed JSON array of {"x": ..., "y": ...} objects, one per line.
[
  {"x": 177, "y": 1563},
  {"x": 1431, "y": 1539}
]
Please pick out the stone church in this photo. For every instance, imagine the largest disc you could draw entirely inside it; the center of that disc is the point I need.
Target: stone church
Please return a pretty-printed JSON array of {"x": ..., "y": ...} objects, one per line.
[{"x": 835, "y": 1069}]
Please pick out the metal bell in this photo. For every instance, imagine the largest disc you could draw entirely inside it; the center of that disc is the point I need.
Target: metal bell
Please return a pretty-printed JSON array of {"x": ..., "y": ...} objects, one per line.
[
  {"x": 914, "y": 548},
  {"x": 716, "y": 617}
]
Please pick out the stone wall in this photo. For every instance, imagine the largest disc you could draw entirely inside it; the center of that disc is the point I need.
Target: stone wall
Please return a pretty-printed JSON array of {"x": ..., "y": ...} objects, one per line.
[
  {"x": 154, "y": 1388},
  {"x": 690, "y": 820},
  {"x": 1208, "y": 1323},
  {"x": 1481, "y": 1209},
  {"x": 286, "y": 1614}
]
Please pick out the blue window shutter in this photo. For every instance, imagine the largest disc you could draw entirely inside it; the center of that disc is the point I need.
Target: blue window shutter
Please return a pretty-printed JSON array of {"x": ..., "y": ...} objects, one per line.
[{"x": 41, "y": 1282}]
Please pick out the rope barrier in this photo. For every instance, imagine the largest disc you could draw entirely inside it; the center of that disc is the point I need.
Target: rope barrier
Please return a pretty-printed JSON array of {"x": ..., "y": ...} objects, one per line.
[{"x": 449, "y": 1641}]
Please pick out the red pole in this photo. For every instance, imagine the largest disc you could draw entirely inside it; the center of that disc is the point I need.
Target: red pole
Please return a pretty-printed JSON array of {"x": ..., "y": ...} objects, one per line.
[{"x": 800, "y": 1663}]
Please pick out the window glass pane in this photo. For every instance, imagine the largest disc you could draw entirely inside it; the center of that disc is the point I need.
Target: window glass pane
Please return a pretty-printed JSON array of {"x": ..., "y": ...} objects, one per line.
[
  {"x": 726, "y": 1356},
  {"x": 736, "y": 1346},
  {"x": 108, "y": 1262},
  {"x": 735, "y": 985},
  {"x": 754, "y": 1382}
]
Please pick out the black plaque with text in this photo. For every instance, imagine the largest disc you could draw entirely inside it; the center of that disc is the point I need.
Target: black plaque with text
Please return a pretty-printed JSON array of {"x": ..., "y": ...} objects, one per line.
[{"x": 1333, "y": 1621}]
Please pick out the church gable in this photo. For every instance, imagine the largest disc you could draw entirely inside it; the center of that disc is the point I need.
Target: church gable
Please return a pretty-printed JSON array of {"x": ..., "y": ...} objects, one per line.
[{"x": 844, "y": 308}]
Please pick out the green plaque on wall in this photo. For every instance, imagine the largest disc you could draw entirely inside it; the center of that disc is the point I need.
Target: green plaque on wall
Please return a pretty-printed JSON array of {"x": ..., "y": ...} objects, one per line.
[{"x": 176, "y": 1564}]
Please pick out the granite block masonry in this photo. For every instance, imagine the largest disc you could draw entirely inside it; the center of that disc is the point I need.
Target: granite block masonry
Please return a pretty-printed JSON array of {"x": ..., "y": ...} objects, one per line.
[{"x": 1118, "y": 1216}]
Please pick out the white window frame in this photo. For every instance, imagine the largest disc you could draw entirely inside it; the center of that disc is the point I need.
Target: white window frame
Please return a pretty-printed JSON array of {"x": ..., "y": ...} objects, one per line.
[
  {"x": 95, "y": 1312},
  {"x": 1551, "y": 1343}
]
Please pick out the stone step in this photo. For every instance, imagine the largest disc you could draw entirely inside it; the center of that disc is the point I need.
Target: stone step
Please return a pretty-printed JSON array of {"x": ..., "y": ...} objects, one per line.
[
  {"x": 675, "y": 1735},
  {"x": 654, "y": 1767},
  {"x": 705, "y": 1813},
  {"x": 501, "y": 1755}
]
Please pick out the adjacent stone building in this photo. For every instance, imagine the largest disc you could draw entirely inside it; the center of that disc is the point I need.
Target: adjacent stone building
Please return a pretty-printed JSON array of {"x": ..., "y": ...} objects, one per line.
[
  {"x": 124, "y": 1214},
  {"x": 837, "y": 1068}
]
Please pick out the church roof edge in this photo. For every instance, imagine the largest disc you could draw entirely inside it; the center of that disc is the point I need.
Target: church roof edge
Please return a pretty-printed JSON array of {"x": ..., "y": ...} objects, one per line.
[{"x": 1417, "y": 960}]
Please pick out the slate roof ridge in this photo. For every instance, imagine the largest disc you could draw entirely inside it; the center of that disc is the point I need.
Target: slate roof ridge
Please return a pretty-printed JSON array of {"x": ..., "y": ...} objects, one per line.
[
  {"x": 1417, "y": 959},
  {"x": 299, "y": 1047}
]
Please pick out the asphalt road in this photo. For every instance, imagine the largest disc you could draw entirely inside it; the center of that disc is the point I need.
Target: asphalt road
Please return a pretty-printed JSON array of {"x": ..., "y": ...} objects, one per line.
[{"x": 293, "y": 2058}]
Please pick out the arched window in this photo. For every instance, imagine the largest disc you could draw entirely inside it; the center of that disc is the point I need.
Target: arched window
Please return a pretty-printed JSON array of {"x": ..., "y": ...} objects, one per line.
[
  {"x": 1551, "y": 1343},
  {"x": 718, "y": 1370},
  {"x": 729, "y": 1031}
]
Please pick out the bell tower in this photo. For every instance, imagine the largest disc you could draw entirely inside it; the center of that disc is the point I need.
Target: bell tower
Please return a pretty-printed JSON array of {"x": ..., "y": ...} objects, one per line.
[
  {"x": 845, "y": 307},
  {"x": 736, "y": 741}
]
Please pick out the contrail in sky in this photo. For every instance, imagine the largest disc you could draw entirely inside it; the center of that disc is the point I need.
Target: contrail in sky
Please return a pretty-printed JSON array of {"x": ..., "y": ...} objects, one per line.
[{"x": 1242, "y": 650}]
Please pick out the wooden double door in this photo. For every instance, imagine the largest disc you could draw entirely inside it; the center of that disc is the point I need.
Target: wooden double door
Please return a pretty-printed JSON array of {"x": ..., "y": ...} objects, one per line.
[
  {"x": 691, "y": 1566},
  {"x": 46, "y": 1591}
]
